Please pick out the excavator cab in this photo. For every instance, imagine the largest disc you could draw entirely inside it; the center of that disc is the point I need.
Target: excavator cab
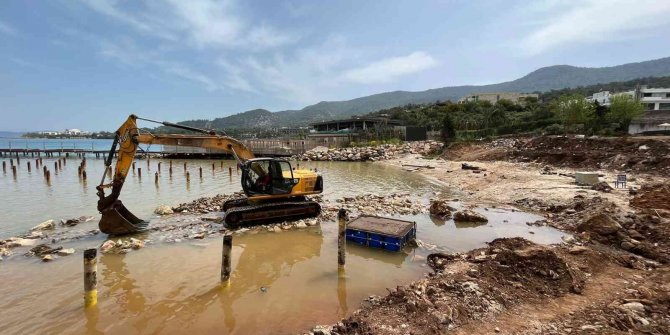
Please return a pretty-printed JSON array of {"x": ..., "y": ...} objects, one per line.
[{"x": 267, "y": 176}]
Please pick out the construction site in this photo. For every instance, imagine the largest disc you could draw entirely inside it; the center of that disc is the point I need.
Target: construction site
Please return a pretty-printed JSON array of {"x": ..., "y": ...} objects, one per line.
[{"x": 504, "y": 236}]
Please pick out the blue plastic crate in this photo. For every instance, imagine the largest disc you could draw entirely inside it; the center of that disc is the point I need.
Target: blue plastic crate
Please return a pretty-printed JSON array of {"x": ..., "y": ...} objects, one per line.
[{"x": 380, "y": 232}]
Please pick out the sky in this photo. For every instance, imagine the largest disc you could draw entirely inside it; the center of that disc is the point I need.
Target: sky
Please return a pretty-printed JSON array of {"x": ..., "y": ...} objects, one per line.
[{"x": 88, "y": 64}]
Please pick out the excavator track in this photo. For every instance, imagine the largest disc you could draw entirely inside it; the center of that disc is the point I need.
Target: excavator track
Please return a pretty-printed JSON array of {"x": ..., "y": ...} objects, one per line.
[{"x": 270, "y": 212}]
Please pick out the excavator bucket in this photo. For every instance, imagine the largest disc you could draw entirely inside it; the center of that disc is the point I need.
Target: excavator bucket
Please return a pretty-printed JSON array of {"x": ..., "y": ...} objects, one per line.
[{"x": 118, "y": 220}]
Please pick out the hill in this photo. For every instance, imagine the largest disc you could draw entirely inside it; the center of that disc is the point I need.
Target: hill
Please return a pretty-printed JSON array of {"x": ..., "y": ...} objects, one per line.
[{"x": 542, "y": 80}]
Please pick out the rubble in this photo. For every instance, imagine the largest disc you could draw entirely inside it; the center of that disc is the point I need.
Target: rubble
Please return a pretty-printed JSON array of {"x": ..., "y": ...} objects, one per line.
[
  {"x": 122, "y": 246},
  {"x": 380, "y": 152}
]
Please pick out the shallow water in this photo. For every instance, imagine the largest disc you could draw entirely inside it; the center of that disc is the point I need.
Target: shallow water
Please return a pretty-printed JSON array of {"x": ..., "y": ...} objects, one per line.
[{"x": 282, "y": 283}]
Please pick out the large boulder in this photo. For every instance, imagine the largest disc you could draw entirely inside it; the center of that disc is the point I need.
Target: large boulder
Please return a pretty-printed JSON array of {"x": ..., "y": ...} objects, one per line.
[
  {"x": 469, "y": 216},
  {"x": 441, "y": 208},
  {"x": 601, "y": 224}
]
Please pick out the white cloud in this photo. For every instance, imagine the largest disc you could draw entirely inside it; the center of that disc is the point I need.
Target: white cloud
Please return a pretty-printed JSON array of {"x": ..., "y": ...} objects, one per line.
[
  {"x": 389, "y": 69},
  {"x": 593, "y": 21},
  {"x": 203, "y": 23},
  {"x": 128, "y": 53},
  {"x": 6, "y": 29}
]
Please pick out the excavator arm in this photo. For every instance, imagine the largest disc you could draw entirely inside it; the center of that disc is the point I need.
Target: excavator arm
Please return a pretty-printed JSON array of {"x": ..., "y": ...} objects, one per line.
[{"x": 116, "y": 219}]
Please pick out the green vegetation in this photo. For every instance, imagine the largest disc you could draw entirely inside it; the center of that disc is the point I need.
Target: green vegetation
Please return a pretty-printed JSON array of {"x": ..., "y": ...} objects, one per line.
[{"x": 624, "y": 109}]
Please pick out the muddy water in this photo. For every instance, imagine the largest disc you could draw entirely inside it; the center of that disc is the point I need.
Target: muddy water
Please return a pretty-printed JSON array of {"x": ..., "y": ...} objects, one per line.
[{"x": 282, "y": 283}]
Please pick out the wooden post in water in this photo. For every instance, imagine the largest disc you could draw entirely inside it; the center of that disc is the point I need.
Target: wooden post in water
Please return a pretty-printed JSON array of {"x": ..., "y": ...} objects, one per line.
[
  {"x": 139, "y": 173},
  {"x": 11, "y": 162},
  {"x": 56, "y": 166},
  {"x": 221, "y": 165},
  {"x": 133, "y": 167},
  {"x": 170, "y": 170},
  {"x": 4, "y": 166},
  {"x": 48, "y": 176},
  {"x": 90, "y": 277},
  {"x": 159, "y": 166},
  {"x": 28, "y": 166},
  {"x": 226, "y": 259},
  {"x": 14, "y": 170},
  {"x": 341, "y": 237},
  {"x": 156, "y": 178},
  {"x": 188, "y": 176},
  {"x": 184, "y": 166},
  {"x": 200, "y": 169},
  {"x": 230, "y": 170},
  {"x": 83, "y": 174},
  {"x": 79, "y": 171},
  {"x": 213, "y": 167},
  {"x": 60, "y": 165}
]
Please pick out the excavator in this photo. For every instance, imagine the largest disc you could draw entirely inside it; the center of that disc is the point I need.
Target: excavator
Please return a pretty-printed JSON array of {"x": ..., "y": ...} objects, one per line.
[{"x": 273, "y": 190}]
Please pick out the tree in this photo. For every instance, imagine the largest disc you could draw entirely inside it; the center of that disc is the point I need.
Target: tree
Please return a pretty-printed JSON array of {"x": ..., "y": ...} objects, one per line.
[
  {"x": 624, "y": 109},
  {"x": 448, "y": 128},
  {"x": 573, "y": 109}
]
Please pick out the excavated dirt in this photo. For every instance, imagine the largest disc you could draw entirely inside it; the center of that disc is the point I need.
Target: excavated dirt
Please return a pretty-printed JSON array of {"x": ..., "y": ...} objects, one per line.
[
  {"x": 482, "y": 291},
  {"x": 653, "y": 196},
  {"x": 649, "y": 155}
]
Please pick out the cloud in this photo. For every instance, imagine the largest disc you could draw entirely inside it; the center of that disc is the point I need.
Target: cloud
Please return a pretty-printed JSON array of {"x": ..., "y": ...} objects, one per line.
[
  {"x": 593, "y": 21},
  {"x": 389, "y": 69},
  {"x": 202, "y": 23},
  {"x": 130, "y": 54},
  {"x": 7, "y": 29}
]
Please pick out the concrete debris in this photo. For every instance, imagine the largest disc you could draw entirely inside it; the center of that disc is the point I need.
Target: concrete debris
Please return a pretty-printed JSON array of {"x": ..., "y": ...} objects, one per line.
[
  {"x": 48, "y": 224},
  {"x": 376, "y": 153},
  {"x": 65, "y": 252},
  {"x": 163, "y": 210}
]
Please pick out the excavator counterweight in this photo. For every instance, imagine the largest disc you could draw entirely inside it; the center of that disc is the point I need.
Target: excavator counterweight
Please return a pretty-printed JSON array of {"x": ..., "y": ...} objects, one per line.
[{"x": 274, "y": 191}]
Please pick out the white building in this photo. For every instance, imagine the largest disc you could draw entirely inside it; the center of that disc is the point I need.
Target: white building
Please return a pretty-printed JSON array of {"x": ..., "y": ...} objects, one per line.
[
  {"x": 603, "y": 98},
  {"x": 654, "y": 98},
  {"x": 54, "y": 133},
  {"x": 73, "y": 131}
]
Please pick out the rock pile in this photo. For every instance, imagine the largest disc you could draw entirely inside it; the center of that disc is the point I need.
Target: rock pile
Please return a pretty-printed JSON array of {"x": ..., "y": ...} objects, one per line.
[
  {"x": 381, "y": 152},
  {"x": 441, "y": 209},
  {"x": 121, "y": 246},
  {"x": 372, "y": 204}
]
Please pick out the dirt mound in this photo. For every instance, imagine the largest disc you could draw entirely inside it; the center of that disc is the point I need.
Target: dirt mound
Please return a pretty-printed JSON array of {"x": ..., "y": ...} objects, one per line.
[
  {"x": 621, "y": 153},
  {"x": 490, "y": 280},
  {"x": 653, "y": 196}
]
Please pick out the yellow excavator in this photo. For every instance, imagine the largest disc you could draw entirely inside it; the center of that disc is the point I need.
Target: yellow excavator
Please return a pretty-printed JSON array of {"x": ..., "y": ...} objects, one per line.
[{"x": 273, "y": 190}]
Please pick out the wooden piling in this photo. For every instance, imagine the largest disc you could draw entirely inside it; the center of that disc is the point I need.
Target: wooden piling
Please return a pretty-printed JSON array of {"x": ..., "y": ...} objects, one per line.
[
  {"x": 213, "y": 167},
  {"x": 79, "y": 169},
  {"x": 159, "y": 166},
  {"x": 188, "y": 176},
  {"x": 28, "y": 166},
  {"x": 156, "y": 178},
  {"x": 133, "y": 166},
  {"x": 48, "y": 176},
  {"x": 83, "y": 175},
  {"x": 4, "y": 166},
  {"x": 37, "y": 163},
  {"x": 55, "y": 166},
  {"x": 170, "y": 170},
  {"x": 60, "y": 165},
  {"x": 230, "y": 170},
  {"x": 90, "y": 277},
  {"x": 139, "y": 172},
  {"x": 226, "y": 259},
  {"x": 221, "y": 165},
  {"x": 341, "y": 237},
  {"x": 14, "y": 170},
  {"x": 11, "y": 162},
  {"x": 184, "y": 166},
  {"x": 200, "y": 169}
]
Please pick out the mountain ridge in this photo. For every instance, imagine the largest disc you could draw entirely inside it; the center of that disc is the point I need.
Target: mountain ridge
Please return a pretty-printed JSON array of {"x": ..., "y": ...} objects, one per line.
[{"x": 540, "y": 80}]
